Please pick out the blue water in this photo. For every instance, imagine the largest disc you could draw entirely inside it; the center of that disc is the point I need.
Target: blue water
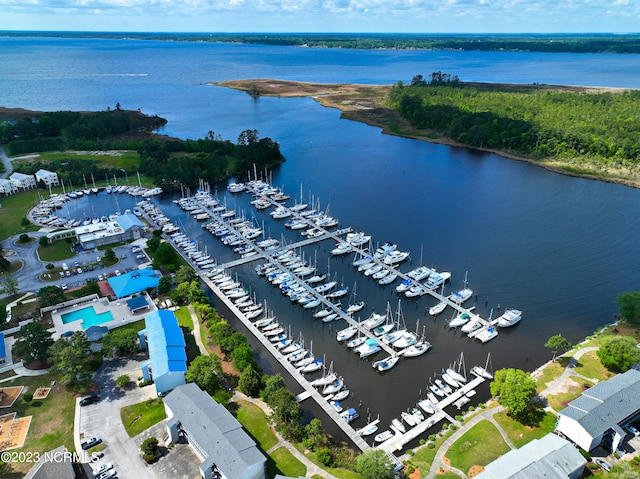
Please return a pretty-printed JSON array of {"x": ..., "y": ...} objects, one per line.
[
  {"x": 88, "y": 316},
  {"x": 559, "y": 248}
]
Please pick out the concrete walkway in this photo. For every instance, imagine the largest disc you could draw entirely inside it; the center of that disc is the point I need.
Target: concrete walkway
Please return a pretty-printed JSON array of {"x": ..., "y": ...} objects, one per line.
[{"x": 555, "y": 386}]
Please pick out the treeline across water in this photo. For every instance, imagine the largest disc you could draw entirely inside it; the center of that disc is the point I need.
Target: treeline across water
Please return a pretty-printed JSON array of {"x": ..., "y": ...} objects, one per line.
[
  {"x": 536, "y": 122},
  {"x": 553, "y": 43},
  {"x": 169, "y": 161}
]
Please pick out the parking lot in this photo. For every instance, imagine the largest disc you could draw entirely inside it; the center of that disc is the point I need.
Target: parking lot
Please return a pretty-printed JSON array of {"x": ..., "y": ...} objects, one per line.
[{"x": 102, "y": 419}]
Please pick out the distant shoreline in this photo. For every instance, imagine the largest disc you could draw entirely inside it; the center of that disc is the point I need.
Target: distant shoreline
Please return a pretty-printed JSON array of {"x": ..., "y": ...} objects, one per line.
[{"x": 364, "y": 103}]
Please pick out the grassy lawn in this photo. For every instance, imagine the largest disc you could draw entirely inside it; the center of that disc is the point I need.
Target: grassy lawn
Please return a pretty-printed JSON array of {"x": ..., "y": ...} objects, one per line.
[
  {"x": 423, "y": 457},
  {"x": 254, "y": 420},
  {"x": 14, "y": 208},
  {"x": 549, "y": 373},
  {"x": 140, "y": 417},
  {"x": 184, "y": 318},
  {"x": 338, "y": 472},
  {"x": 287, "y": 464},
  {"x": 589, "y": 365},
  {"x": 520, "y": 434},
  {"x": 126, "y": 159},
  {"x": 559, "y": 401},
  {"x": 480, "y": 445},
  {"x": 51, "y": 422},
  {"x": 56, "y": 251}
]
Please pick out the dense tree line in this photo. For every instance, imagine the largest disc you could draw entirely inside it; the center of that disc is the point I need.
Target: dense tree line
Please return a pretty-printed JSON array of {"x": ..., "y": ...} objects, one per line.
[
  {"x": 537, "y": 122},
  {"x": 575, "y": 43}
]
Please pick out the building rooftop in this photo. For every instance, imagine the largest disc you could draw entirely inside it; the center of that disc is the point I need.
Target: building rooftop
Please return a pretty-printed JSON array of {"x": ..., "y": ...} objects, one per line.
[
  {"x": 3, "y": 351},
  {"x": 42, "y": 172},
  {"x": 548, "y": 457},
  {"x": 19, "y": 176},
  {"x": 139, "y": 302},
  {"x": 166, "y": 343},
  {"x": 607, "y": 404},
  {"x": 128, "y": 221},
  {"x": 214, "y": 430},
  {"x": 134, "y": 282}
]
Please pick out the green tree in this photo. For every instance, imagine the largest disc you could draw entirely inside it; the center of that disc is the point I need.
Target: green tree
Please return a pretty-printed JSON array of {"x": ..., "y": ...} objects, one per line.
[
  {"x": 623, "y": 470},
  {"x": 515, "y": 390},
  {"x": 152, "y": 245},
  {"x": 250, "y": 381},
  {"x": 324, "y": 456},
  {"x": 69, "y": 358},
  {"x": 271, "y": 385},
  {"x": 205, "y": 371},
  {"x": 183, "y": 292},
  {"x": 164, "y": 285},
  {"x": 375, "y": 464},
  {"x": 24, "y": 238},
  {"x": 120, "y": 342},
  {"x": 165, "y": 254},
  {"x": 50, "y": 295},
  {"x": 43, "y": 241},
  {"x": 242, "y": 357},
  {"x": 220, "y": 331},
  {"x": 123, "y": 380},
  {"x": 629, "y": 306},
  {"x": 109, "y": 255},
  {"x": 618, "y": 353},
  {"x": 149, "y": 448},
  {"x": 33, "y": 342},
  {"x": 10, "y": 285},
  {"x": 5, "y": 264},
  {"x": 25, "y": 222},
  {"x": 185, "y": 274},
  {"x": 314, "y": 432},
  {"x": 231, "y": 343},
  {"x": 558, "y": 344},
  {"x": 287, "y": 414},
  {"x": 195, "y": 294}
]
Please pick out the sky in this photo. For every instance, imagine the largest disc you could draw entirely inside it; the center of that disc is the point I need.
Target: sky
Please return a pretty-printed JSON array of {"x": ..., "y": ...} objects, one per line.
[{"x": 357, "y": 16}]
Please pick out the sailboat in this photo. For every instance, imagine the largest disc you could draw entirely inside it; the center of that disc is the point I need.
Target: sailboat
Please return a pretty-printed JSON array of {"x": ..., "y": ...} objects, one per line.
[
  {"x": 354, "y": 307},
  {"x": 463, "y": 295}
]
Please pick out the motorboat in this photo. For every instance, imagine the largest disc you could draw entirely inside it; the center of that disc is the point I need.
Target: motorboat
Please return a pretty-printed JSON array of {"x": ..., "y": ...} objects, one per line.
[
  {"x": 386, "y": 363},
  {"x": 438, "y": 308},
  {"x": 341, "y": 248},
  {"x": 347, "y": 333},
  {"x": 349, "y": 415},
  {"x": 460, "y": 320},
  {"x": 432, "y": 397},
  {"x": 396, "y": 423},
  {"x": 417, "y": 414},
  {"x": 427, "y": 406},
  {"x": 336, "y": 405},
  {"x": 381, "y": 274},
  {"x": 384, "y": 250},
  {"x": 369, "y": 428},
  {"x": 437, "y": 279},
  {"x": 461, "y": 296},
  {"x": 405, "y": 285},
  {"x": 396, "y": 257},
  {"x": 417, "y": 349},
  {"x": 487, "y": 334},
  {"x": 416, "y": 290},
  {"x": 368, "y": 348},
  {"x": 419, "y": 273},
  {"x": 373, "y": 321},
  {"x": 509, "y": 318},
  {"x": 373, "y": 269},
  {"x": 471, "y": 326},
  {"x": 384, "y": 436},
  {"x": 443, "y": 386},
  {"x": 388, "y": 278},
  {"x": 408, "y": 418},
  {"x": 358, "y": 239}
]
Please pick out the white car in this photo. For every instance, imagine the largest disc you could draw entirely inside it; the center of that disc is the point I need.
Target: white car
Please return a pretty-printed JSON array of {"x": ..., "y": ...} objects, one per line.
[
  {"x": 118, "y": 273},
  {"x": 63, "y": 286},
  {"x": 104, "y": 468}
]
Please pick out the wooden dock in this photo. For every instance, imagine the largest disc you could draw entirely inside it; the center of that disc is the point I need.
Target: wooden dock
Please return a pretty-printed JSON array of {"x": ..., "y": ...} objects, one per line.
[{"x": 309, "y": 390}]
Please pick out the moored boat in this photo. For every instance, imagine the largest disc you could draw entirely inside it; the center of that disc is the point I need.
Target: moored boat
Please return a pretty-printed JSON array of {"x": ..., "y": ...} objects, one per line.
[{"x": 509, "y": 318}]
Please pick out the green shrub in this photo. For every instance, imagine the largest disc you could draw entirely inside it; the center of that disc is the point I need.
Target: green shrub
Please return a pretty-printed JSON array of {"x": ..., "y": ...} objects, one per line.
[
  {"x": 471, "y": 409},
  {"x": 432, "y": 437},
  {"x": 422, "y": 441},
  {"x": 324, "y": 456},
  {"x": 28, "y": 397},
  {"x": 50, "y": 266},
  {"x": 410, "y": 452},
  {"x": 431, "y": 445}
]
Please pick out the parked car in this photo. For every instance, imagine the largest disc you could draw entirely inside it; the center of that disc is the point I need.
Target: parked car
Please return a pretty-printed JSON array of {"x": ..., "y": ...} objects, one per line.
[
  {"x": 63, "y": 286},
  {"x": 118, "y": 272},
  {"x": 107, "y": 466},
  {"x": 96, "y": 456},
  {"x": 89, "y": 400},
  {"x": 89, "y": 443},
  {"x": 633, "y": 430},
  {"x": 604, "y": 465},
  {"x": 106, "y": 474},
  {"x": 100, "y": 277}
]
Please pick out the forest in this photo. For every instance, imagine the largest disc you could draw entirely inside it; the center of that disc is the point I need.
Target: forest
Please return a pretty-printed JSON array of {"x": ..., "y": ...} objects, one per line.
[
  {"x": 169, "y": 161},
  {"x": 572, "y": 43},
  {"x": 530, "y": 121}
]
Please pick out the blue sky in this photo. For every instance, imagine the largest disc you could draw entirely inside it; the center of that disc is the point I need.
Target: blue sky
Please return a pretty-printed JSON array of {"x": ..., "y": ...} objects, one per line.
[{"x": 384, "y": 16}]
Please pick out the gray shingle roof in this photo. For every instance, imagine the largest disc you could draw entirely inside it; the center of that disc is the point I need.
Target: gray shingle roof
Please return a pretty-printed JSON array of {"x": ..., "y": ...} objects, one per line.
[
  {"x": 606, "y": 404},
  {"x": 548, "y": 457},
  {"x": 214, "y": 430}
]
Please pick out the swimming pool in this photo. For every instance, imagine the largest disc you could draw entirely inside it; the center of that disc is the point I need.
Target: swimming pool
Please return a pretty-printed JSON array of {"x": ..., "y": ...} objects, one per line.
[{"x": 88, "y": 316}]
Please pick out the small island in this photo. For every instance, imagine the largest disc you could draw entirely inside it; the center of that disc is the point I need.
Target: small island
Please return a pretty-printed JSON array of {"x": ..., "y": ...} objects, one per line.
[{"x": 579, "y": 131}]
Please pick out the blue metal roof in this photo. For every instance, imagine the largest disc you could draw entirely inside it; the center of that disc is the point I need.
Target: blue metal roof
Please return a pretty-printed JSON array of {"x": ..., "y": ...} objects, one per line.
[
  {"x": 129, "y": 220},
  {"x": 134, "y": 282},
  {"x": 166, "y": 343},
  {"x": 3, "y": 351},
  {"x": 138, "y": 302}
]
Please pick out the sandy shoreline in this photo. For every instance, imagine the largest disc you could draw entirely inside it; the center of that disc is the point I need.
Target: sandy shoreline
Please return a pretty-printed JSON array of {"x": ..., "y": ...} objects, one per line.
[{"x": 364, "y": 103}]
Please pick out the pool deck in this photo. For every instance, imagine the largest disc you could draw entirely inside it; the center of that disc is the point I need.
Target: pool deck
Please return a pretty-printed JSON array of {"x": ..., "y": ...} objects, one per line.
[{"x": 118, "y": 309}]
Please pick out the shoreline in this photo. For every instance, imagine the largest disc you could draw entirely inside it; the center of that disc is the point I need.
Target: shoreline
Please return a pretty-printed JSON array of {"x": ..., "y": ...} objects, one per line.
[{"x": 363, "y": 103}]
